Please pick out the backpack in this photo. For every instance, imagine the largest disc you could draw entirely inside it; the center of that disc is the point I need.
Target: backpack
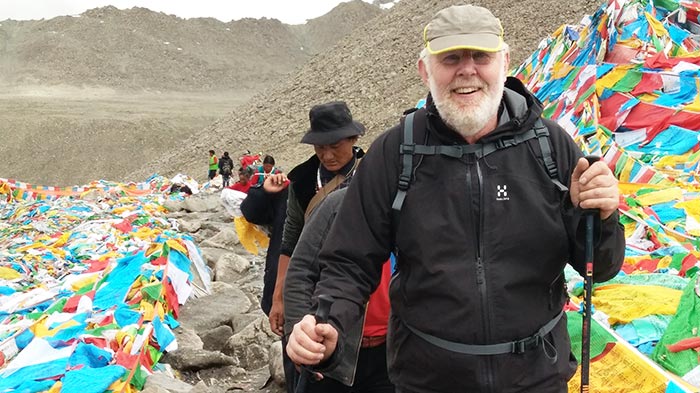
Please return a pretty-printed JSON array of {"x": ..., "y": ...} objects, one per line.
[
  {"x": 409, "y": 150},
  {"x": 226, "y": 168}
]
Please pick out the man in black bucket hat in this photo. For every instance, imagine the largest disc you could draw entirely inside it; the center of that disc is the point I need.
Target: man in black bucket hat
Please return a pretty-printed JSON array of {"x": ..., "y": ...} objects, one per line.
[
  {"x": 331, "y": 123},
  {"x": 333, "y": 134}
]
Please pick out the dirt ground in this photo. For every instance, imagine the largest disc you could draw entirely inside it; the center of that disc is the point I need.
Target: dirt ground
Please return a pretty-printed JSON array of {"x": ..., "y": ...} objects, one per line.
[{"x": 62, "y": 135}]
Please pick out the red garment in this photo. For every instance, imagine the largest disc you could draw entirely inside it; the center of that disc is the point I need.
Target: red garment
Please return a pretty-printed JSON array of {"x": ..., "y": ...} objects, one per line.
[
  {"x": 249, "y": 159},
  {"x": 378, "y": 308},
  {"x": 240, "y": 187}
]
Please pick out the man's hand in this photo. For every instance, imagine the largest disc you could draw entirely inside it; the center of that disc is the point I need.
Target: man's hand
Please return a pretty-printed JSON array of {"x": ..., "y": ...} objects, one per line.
[
  {"x": 277, "y": 316},
  {"x": 309, "y": 343},
  {"x": 275, "y": 183},
  {"x": 594, "y": 187}
]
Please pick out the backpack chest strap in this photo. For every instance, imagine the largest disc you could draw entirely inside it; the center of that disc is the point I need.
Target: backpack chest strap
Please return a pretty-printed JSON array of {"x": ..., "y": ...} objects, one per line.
[{"x": 408, "y": 148}]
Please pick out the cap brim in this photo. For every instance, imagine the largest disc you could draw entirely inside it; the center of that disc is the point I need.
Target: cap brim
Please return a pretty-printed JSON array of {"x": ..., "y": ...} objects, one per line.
[
  {"x": 482, "y": 42},
  {"x": 330, "y": 137}
]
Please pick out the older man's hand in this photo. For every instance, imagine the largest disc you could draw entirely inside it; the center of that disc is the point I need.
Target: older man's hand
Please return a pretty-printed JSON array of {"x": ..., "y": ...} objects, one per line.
[
  {"x": 594, "y": 187},
  {"x": 311, "y": 343}
]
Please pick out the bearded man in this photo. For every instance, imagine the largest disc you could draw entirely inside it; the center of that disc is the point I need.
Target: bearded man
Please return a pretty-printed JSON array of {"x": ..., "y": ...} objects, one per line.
[{"x": 483, "y": 211}]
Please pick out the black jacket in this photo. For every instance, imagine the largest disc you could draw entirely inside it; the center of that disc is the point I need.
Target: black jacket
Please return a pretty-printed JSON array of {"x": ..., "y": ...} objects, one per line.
[
  {"x": 476, "y": 265},
  {"x": 268, "y": 209},
  {"x": 223, "y": 161}
]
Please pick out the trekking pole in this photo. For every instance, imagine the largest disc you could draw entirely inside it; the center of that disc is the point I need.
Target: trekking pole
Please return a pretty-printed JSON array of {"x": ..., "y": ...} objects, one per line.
[
  {"x": 324, "y": 308},
  {"x": 589, "y": 215}
]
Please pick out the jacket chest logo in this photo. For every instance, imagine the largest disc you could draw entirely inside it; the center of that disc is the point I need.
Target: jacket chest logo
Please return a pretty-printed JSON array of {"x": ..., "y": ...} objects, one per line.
[{"x": 502, "y": 192}]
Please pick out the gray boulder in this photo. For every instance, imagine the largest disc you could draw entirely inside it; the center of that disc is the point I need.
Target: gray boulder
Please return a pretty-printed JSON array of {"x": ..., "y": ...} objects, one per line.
[{"x": 217, "y": 309}]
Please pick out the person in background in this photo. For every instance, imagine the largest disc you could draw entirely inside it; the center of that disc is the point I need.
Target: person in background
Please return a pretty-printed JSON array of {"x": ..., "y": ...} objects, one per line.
[
  {"x": 213, "y": 164},
  {"x": 248, "y": 159},
  {"x": 363, "y": 366},
  {"x": 243, "y": 184},
  {"x": 225, "y": 168},
  {"x": 482, "y": 236},
  {"x": 266, "y": 169},
  {"x": 333, "y": 134},
  {"x": 267, "y": 205}
]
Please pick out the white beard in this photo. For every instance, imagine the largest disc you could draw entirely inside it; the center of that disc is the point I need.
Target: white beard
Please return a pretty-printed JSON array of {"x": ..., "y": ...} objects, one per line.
[{"x": 468, "y": 120}]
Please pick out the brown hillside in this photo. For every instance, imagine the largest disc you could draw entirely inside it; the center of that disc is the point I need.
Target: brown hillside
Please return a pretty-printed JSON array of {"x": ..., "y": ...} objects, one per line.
[
  {"x": 322, "y": 33},
  {"x": 373, "y": 69},
  {"x": 96, "y": 96},
  {"x": 138, "y": 48}
]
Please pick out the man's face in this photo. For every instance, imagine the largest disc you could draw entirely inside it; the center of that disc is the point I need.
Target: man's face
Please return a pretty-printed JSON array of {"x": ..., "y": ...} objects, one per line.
[
  {"x": 334, "y": 157},
  {"x": 466, "y": 85},
  {"x": 267, "y": 168}
]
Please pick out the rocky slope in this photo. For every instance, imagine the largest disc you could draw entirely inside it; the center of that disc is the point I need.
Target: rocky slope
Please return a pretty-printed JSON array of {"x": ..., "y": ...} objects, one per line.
[
  {"x": 97, "y": 95},
  {"x": 373, "y": 69},
  {"x": 137, "y": 48}
]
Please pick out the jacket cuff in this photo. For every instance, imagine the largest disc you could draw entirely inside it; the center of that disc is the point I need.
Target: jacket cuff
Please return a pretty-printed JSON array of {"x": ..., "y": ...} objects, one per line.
[
  {"x": 612, "y": 220},
  {"x": 336, "y": 357}
]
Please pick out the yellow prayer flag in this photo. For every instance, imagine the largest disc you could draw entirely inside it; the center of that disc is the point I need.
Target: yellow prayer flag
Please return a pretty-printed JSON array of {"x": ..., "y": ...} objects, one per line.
[
  {"x": 7, "y": 273},
  {"x": 176, "y": 245},
  {"x": 250, "y": 235},
  {"x": 159, "y": 310},
  {"x": 85, "y": 280},
  {"x": 632, "y": 188},
  {"x": 625, "y": 303},
  {"x": 661, "y": 196},
  {"x": 621, "y": 370},
  {"x": 658, "y": 27},
  {"x": 56, "y": 387},
  {"x": 147, "y": 310},
  {"x": 691, "y": 207}
]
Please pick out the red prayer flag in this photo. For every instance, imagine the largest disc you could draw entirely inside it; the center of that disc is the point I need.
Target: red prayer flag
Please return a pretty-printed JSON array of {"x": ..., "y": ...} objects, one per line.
[{"x": 650, "y": 82}]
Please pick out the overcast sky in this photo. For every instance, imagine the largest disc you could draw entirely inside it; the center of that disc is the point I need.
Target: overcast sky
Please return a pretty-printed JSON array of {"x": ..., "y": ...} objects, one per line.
[{"x": 287, "y": 11}]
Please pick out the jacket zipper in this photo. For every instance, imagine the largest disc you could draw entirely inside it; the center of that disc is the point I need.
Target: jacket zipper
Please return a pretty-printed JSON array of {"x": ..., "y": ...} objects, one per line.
[
  {"x": 473, "y": 164},
  {"x": 481, "y": 275},
  {"x": 359, "y": 345}
]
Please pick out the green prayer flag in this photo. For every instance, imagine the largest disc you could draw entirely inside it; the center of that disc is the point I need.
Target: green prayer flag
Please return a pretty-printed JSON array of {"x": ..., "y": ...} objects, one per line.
[
  {"x": 152, "y": 292},
  {"x": 628, "y": 82}
]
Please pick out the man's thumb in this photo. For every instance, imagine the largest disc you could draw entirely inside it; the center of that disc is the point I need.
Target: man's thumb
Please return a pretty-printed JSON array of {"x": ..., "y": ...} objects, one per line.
[{"x": 580, "y": 167}]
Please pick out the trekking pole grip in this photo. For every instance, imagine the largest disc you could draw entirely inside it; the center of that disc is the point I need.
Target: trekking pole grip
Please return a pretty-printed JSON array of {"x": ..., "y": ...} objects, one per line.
[
  {"x": 324, "y": 308},
  {"x": 591, "y": 160},
  {"x": 322, "y": 311}
]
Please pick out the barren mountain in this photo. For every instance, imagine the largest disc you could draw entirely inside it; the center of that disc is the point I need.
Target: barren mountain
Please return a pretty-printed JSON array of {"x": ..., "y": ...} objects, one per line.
[
  {"x": 95, "y": 96},
  {"x": 138, "y": 48},
  {"x": 373, "y": 69}
]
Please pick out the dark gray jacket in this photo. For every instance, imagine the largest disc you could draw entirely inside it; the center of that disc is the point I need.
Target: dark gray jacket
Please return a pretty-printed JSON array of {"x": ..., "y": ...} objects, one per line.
[
  {"x": 482, "y": 247},
  {"x": 302, "y": 275}
]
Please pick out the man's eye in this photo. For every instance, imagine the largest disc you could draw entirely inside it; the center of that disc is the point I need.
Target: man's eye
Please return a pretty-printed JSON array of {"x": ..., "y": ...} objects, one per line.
[
  {"x": 451, "y": 59},
  {"x": 480, "y": 57}
]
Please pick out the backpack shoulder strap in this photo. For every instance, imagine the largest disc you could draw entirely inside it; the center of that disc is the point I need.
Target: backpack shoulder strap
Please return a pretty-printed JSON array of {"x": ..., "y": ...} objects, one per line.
[
  {"x": 550, "y": 165},
  {"x": 407, "y": 151}
]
